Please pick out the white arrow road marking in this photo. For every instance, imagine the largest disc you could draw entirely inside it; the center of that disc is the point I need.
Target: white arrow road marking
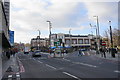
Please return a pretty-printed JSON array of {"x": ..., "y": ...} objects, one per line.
[
  {"x": 71, "y": 75},
  {"x": 50, "y": 66}
]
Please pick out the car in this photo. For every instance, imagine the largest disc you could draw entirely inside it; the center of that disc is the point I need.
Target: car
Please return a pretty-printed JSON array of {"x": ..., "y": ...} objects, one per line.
[{"x": 36, "y": 53}]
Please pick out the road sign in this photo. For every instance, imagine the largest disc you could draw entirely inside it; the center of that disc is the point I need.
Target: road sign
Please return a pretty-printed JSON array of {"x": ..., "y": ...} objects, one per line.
[{"x": 103, "y": 43}]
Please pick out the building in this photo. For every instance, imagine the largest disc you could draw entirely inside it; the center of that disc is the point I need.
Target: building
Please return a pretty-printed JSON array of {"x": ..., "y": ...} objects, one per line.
[
  {"x": 6, "y": 4},
  {"x": 39, "y": 43},
  {"x": 4, "y": 28},
  {"x": 75, "y": 41},
  {"x": 4, "y": 34}
]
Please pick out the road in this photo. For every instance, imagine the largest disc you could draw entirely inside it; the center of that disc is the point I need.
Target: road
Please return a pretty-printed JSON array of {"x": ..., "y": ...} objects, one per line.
[{"x": 70, "y": 67}]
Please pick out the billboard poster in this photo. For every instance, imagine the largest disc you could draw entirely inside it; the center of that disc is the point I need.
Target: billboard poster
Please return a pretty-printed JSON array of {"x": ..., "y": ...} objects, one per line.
[{"x": 11, "y": 37}]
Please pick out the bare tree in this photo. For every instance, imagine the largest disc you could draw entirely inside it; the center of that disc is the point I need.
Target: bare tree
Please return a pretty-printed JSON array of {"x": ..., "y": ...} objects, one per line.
[{"x": 116, "y": 37}]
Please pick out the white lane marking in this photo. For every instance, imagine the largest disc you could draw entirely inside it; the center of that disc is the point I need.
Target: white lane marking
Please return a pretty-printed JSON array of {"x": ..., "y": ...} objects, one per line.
[
  {"x": 83, "y": 53},
  {"x": 33, "y": 58},
  {"x": 9, "y": 76},
  {"x": 40, "y": 62},
  {"x": 50, "y": 66},
  {"x": 17, "y": 75},
  {"x": 117, "y": 71},
  {"x": 85, "y": 64},
  {"x": 66, "y": 59},
  {"x": 71, "y": 75},
  {"x": 88, "y": 65}
]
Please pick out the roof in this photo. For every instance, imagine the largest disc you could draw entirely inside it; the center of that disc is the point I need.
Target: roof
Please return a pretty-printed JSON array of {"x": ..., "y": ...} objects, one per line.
[{"x": 67, "y": 35}]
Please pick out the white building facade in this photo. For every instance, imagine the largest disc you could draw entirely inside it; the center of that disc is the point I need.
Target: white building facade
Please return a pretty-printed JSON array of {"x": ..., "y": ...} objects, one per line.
[{"x": 72, "y": 40}]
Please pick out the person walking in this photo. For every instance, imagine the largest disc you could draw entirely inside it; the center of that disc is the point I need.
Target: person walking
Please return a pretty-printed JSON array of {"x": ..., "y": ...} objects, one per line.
[
  {"x": 79, "y": 52},
  {"x": 8, "y": 54},
  {"x": 103, "y": 52}
]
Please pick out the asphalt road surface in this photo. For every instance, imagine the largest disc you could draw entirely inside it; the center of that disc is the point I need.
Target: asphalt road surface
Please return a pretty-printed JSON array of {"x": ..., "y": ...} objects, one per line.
[{"x": 70, "y": 67}]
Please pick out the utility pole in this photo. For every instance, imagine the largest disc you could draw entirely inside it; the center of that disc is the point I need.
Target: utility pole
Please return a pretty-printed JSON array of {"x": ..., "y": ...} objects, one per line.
[{"x": 50, "y": 26}]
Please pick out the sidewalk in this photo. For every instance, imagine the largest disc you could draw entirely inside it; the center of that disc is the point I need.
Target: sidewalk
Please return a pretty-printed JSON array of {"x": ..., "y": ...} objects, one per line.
[
  {"x": 108, "y": 56},
  {"x": 10, "y": 66}
]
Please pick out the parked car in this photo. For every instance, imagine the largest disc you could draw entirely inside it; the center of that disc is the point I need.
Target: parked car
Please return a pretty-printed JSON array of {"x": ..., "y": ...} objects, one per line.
[{"x": 36, "y": 53}]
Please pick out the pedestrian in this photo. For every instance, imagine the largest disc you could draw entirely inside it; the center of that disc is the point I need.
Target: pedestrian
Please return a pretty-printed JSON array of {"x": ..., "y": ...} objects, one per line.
[
  {"x": 66, "y": 51},
  {"x": 104, "y": 52},
  {"x": 80, "y": 53},
  {"x": 8, "y": 54}
]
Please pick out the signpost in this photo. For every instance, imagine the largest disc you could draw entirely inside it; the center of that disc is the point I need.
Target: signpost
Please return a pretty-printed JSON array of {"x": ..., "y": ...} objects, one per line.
[{"x": 103, "y": 43}]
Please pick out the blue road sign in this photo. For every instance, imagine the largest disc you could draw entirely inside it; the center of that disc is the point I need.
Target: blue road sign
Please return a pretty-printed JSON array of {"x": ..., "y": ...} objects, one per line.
[{"x": 11, "y": 36}]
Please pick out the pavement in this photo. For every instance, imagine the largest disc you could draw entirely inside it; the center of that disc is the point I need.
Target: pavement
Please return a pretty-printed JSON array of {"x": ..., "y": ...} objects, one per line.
[
  {"x": 108, "y": 55},
  {"x": 10, "y": 66}
]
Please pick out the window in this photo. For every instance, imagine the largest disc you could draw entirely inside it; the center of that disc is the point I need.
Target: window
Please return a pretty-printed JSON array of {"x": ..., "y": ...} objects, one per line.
[
  {"x": 86, "y": 41},
  {"x": 67, "y": 41},
  {"x": 74, "y": 41},
  {"x": 80, "y": 41}
]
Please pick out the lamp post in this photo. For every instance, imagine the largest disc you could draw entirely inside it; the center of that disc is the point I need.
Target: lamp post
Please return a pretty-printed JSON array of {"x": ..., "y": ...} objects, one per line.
[
  {"x": 39, "y": 40},
  {"x": 50, "y": 26},
  {"x": 96, "y": 37},
  {"x": 98, "y": 33},
  {"x": 70, "y": 36}
]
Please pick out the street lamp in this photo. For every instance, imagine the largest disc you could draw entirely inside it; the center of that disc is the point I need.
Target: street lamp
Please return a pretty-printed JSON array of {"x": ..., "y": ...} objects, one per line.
[
  {"x": 96, "y": 35},
  {"x": 39, "y": 39},
  {"x": 97, "y": 26},
  {"x": 50, "y": 24},
  {"x": 70, "y": 36}
]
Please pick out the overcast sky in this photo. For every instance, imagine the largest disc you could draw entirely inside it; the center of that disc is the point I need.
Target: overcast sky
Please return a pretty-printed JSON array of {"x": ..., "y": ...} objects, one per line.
[{"x": 29, "y": 16}]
